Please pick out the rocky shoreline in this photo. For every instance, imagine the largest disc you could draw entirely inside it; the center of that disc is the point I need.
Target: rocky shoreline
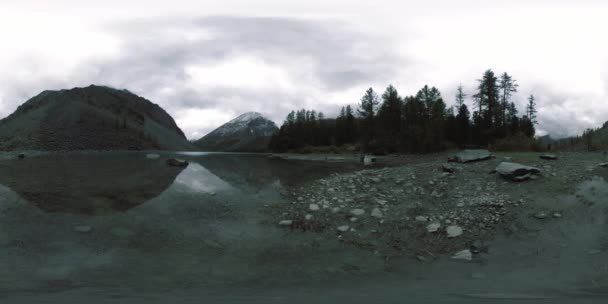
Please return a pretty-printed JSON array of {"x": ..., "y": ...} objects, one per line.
[{"x": 425, "y": 208}]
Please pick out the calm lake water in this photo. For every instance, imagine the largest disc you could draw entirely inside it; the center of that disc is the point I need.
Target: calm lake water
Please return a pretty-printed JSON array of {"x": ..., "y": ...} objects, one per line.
[{"x": 121, "y": 228}]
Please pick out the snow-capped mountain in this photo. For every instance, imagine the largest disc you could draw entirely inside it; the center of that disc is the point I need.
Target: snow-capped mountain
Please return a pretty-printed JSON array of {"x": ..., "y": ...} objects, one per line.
[{"x": 249, "y": 132}]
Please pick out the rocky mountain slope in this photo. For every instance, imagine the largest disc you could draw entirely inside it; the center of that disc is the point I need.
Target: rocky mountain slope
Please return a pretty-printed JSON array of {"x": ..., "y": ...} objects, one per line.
[
  {"x": 91, "y": 118},
  {"x": 250, "y": 132}
]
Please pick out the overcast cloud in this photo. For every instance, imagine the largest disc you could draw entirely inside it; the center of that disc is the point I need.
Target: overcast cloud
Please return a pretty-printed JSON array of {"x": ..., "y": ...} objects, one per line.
[{"x": 206, "y": 63}]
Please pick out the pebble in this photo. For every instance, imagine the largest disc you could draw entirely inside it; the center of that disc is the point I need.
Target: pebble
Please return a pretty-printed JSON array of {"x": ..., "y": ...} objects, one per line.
[
  {"x": 453, "y": 231},
  {"x": 313, "y": 207},
  {"x": 83, "y": 229},
  {"x": 463, "y": 255},
  {"x": 557, "y": 215},
  {"x": 433, "y": 227},
  {"x": 308, "y": 217},
  {"x": 376, "y": 180},
  {"x": 343, "y": 228},
  {"x": 421, "y": 218},
  {"x": 285, "y": 223},
  {"x": 540, "y": 215},
  {"x": 377, "y": 213},
  {"x": 357, "y": 212}
]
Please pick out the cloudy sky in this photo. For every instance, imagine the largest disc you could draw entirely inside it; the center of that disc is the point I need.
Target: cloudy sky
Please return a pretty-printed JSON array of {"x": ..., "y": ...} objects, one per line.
[{"x": 208, "y": 61}]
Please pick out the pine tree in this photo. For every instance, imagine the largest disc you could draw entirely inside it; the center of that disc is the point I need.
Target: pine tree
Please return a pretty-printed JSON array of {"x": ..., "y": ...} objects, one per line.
[
  {"x": 463, "y": 125},
  {"x": 531, "y": 109},
  {"x": 487, "y": 100},
  {"x": 508, "y": 86},
  {"x": 460, "y": 97},
  {"x": 389, "y": 116},
  {"x": 367, "y": 112}
]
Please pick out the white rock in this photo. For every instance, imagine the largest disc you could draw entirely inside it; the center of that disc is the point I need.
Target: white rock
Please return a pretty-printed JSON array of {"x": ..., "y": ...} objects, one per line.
[
  {"x": 433, "y": 227},
  {"x": 453, "y": 231},
  {"x": 377, "y": 213},
  {"x": 285, "y": 223},
  {"x": 314, "y": 207},
  {"x": 421, "y": 218},
  {"x": 308, "y": 217},
  {"x": 463, "y": 255},
  {"x": 357, "y": 212},
  {"x": 343, "y": 228}
]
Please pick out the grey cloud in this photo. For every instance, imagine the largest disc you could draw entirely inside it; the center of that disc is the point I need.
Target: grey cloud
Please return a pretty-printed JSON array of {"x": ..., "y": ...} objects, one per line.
[{"x": 154, "y": 54}]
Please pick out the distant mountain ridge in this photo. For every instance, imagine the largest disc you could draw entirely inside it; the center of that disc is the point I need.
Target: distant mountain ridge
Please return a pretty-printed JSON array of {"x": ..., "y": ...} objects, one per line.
[
  {"x": 90, "y": 118},
  {"x": 249, "y": 132}
]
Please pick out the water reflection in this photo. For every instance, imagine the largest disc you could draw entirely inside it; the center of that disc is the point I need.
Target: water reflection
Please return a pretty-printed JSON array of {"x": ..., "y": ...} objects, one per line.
[
  {"x": 99, "y": 183},
  {"x": 87, "y": 183}
]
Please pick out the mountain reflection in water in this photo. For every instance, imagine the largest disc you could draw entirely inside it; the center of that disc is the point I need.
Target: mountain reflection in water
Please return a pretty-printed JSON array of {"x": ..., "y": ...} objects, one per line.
[
  {"x": 101, "y": 183},
  {"x": 87, "y": 183}
]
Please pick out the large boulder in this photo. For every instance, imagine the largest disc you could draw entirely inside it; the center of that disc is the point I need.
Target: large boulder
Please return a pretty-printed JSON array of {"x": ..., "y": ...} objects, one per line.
[
  {"x": 467, "y": 156},
  {"x": 517, "y": 172}
]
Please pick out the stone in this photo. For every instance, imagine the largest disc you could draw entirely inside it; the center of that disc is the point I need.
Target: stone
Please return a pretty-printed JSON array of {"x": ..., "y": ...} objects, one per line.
[
  {"x": 517, "y": 172},
  {"x": 463, "y": 255},
  {"x": 377, "y": 213},
  {"x": 357, "y": 212},
  {"x": 433, "y": 227},
  {"x": 453, "y": 231},
  {"x": 604, "y": 165},
  {"x": 447, "y": 168},
  {"x": 308, "y": 217},
  {"x": 174, "y": 162},
  {"x": 548, "y": 157},
  {"x": 369, "y": 160},
  {"x": 343, "y": 228},
  {"x": 152, "y": 156},
  {"x": 541, "y": 215},
  {"x": 422, "y": 218},
  {"x": 83, "y": 229},
  {"x": 314, "y": 207},
  {"x": 467, "y": 156},
  {"x": 376, "y": 180},
  {"x": 478, "y": 247},
  {"x": 285, "y": 223},
  {"x": 557, "y": 215}
]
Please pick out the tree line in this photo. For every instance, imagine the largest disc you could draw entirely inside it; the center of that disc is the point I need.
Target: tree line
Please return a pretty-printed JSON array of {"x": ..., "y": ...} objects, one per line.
[{"x": 417, "y": 123}]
